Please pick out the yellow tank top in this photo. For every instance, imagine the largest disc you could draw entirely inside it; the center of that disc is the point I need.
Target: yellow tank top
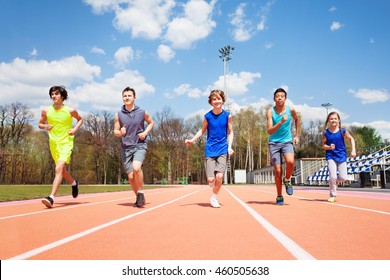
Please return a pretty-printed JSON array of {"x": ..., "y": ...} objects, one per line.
[{"x": 61, "y": 120}]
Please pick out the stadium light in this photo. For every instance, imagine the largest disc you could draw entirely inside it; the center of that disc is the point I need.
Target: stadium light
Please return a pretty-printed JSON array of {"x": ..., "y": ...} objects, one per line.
[
  {"x": 326, "y": 106},
  {"x": 225, "y": 55}
]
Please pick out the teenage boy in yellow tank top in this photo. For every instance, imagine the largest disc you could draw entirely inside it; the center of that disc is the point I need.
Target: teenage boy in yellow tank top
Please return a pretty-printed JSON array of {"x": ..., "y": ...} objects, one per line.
[{"x": 57, "y": 119}]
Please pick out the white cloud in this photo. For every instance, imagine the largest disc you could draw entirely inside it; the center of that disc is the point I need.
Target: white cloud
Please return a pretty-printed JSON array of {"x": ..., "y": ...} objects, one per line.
[
  {"x": 144, "y": 19},
  {"x": 243, "y": 29},
  {"x": 368, "y": 96},
  {"x": 382, "y": 127},
  {"x": 107, "y": 95},
  {"x": 264, "y": 11},
  {"x": 38, "y": 72},
  {"x": 97, "y": 50},
  {"x": 237, "y": 83},
  {"x": 186, "y": 89},
  {"x": 123, "y": 56},
  {"x": 154, "y": 19},
  {"x": 34, "y": 53},
  {"x": 335, "y": 26},
  {"x": 101, "y": 6},
  {"x": 165, "y": 53},
  {"x": 332, "y": 9},
  {"x": 195, "y": 25},
  {"x": 29, "y": 81}
]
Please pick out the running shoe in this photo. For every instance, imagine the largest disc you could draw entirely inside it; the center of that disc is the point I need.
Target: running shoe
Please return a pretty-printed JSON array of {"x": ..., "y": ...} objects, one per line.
[
  {"x": 331, "y": 199},
  {"x": 140, "y": 199},
  {"x": 75, "y": 190},
  {"x": 214, "y": 203},
  {"x": 289, "y": 188},
  {"x": 48, "y": 202},
  {"x": 279, "y": 200},
  {"x": 136, "y": 202}
]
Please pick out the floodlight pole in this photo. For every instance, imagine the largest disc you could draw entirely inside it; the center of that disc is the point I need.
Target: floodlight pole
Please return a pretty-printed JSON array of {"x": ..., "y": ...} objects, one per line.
[
  {"x": 225, "y": 55},
  {"x": 326, "y": 106}
]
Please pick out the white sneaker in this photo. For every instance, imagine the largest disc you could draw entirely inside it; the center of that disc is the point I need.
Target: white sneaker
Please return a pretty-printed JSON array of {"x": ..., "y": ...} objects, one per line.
[{"x": 214, "y": 203}]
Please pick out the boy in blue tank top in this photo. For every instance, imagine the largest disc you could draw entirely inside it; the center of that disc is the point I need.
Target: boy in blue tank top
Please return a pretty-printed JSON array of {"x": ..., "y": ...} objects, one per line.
[
  {"x": 218, "y": 124},
  {"x": 279, "y": 121},
  {"x": 129, "y": 123}
]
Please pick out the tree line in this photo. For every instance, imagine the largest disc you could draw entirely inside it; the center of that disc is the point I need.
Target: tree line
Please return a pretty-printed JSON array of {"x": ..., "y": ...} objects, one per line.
[{"x": 25, "y": 155}]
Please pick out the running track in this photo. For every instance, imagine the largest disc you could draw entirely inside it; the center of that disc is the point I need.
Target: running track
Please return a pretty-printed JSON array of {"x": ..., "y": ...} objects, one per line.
[{"x": 177, "y": 223}]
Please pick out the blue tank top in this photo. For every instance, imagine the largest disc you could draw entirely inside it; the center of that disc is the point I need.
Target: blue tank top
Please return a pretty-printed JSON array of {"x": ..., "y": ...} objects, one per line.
[
  {"x": 217, "y": 131},
  {"x": 283, "y": 134},
  {"x": 339, "y": 154},
  {"x": 135, "y": 124}
]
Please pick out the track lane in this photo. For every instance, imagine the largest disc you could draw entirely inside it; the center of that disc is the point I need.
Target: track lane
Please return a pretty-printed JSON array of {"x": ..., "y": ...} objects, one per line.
[
  {"x": 176, "y": 226},
  {"x": 327, "y": 231},
  {"x": 185, "y": 229}
]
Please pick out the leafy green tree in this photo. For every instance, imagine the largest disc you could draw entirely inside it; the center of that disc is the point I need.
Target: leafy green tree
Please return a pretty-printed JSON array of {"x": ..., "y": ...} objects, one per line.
[{"x": 369, "y": 135}]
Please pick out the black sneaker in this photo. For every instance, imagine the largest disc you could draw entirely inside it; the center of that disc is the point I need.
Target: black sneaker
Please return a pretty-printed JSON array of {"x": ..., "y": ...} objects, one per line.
[
  {"x": 75, "y": 190},
  {"x": 140, "y": 200},
  {"x": 48, "y": 202},
  {"x": 136, "y": 202}
]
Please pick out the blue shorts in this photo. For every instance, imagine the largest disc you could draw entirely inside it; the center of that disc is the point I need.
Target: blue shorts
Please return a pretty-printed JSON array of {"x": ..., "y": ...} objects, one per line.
[
  {"x": 276, "y": 151},
  {"x": 133, "y": 153}
]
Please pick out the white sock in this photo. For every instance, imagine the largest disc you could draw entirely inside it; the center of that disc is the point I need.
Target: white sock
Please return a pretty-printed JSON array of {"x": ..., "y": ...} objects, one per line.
[
  {"x": 52, "y": 197},
  {"x": 74, "y": 183},
  {"x": 214, "y": 196},
  {"x": 140, "y": 191}
]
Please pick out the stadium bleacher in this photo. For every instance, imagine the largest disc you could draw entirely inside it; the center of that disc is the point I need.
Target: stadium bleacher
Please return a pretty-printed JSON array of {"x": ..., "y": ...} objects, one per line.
[{"x": 370, "y": 163}]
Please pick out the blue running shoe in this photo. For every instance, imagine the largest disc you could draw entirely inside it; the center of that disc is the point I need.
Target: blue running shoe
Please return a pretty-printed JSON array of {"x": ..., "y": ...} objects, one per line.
[
  {"x": 279, "y": 200},
  {"x": 289, "y": 188}
]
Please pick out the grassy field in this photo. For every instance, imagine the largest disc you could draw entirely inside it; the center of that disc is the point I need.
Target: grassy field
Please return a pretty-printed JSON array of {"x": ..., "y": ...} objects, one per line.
[{"x": 22, "y": 192}]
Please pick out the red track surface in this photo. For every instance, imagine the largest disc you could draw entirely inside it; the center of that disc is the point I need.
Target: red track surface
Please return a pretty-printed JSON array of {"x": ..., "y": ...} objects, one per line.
[{"x": 178, "y": 223}]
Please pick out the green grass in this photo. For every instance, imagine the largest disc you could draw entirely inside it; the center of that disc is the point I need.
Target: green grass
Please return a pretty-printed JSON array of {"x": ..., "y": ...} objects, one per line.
[{"x": 23, "y": 192}]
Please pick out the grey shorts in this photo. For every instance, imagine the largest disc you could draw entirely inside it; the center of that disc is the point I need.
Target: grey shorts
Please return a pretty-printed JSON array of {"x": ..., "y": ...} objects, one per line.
[
  {"x": 277, "y": 150},
  {"x": 133, "y": 153},
  {"x": 215, "y": 164}
]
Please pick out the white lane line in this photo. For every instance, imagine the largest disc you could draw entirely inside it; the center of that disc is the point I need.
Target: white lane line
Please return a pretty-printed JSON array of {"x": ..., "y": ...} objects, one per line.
[
  {"x": 344, "y": 205},
  {"x": 297, "y": 251},
  {"x": 55, "y": 244},
  {"x": 326, "y": 202},
  {"x": 45, "y": 211}
]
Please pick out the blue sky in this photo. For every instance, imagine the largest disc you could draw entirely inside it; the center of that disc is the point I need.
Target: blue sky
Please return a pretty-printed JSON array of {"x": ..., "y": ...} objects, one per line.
[{"x": 319, "y": 51}]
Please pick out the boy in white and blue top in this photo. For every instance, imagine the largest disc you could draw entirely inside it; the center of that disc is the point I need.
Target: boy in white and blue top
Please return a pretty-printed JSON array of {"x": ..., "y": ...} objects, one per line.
[
  {"x": 218, "y": 124},
  {"x": 281, "y": 141},
  {"x": 129, "y": 124}
]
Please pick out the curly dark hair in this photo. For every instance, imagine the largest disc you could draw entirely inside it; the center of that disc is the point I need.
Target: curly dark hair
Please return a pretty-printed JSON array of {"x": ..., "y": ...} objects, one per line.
[{"x": 61, "y": 90}]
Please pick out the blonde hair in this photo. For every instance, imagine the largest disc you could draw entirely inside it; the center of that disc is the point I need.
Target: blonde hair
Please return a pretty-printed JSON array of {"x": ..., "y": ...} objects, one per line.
[{"x": 327, "y": 121}]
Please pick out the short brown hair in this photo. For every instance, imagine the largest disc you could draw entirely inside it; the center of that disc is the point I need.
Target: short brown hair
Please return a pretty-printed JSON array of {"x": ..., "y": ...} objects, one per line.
[
  {"x": 128, "y": 89},
  {"x": 218, "y": 92}
]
